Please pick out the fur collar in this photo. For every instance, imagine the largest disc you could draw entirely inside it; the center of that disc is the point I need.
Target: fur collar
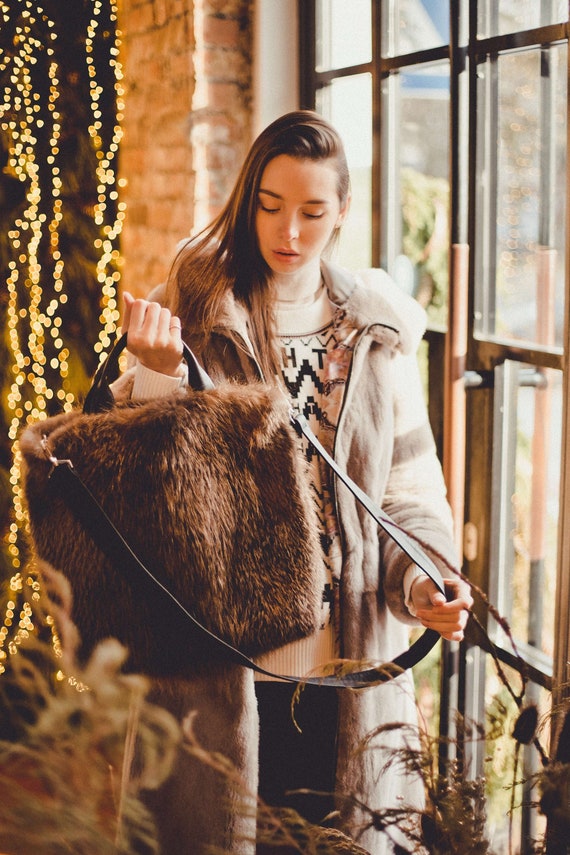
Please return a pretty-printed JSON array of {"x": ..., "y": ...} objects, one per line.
[
  {"x": 373, "y": 302},
  {"x": 370, "y": 297}
]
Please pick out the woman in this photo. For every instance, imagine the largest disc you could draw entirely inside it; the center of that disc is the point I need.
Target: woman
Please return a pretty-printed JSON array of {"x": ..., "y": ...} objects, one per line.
[{"x": 255, "y": 298}]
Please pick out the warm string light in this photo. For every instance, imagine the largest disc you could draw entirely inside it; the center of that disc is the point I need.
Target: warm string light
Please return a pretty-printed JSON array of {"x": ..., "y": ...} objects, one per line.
[
  {"x": 108, "y": 273},
  {"x": 35, "y": 330},
  {"x": 25, "y": 403}
]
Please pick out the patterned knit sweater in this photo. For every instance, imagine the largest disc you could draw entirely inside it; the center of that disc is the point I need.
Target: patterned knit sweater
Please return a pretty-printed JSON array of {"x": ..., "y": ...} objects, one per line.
[{"x": 316, "y": 354}]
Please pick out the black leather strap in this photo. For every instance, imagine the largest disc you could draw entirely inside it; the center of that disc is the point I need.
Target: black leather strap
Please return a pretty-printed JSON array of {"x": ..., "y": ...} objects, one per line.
[
  {"x": 100, "y": 397},
  {"x": 401, "y": 537},
  {"x": 95, "y": 520}
]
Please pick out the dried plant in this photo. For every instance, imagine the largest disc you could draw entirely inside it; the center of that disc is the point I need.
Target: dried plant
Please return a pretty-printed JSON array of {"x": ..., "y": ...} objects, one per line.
[
  {"x": 285, "y": 832},
  {"x": 66, "y": 746},
  {"x": 453, "y": 819},
  {"x": 69, "y": 736}
]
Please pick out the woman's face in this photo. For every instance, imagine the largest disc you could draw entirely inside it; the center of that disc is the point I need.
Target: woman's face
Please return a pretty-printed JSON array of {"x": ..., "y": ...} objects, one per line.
[{"x": 297, "y": 210}]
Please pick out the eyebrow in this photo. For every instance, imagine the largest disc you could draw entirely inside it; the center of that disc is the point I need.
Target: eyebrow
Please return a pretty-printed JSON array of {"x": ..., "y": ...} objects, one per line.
[{"x": 306, "y": 202}]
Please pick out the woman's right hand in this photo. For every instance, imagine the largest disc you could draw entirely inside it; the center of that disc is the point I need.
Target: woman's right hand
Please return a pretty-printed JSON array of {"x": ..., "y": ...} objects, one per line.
[{"x": 154, "y": 335}]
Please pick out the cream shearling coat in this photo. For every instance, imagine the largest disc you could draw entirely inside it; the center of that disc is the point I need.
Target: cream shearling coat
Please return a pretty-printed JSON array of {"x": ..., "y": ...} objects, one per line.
[{"x": 385, "y": 444}]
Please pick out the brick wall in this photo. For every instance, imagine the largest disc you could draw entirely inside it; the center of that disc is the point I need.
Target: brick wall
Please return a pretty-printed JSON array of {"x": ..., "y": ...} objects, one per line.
[{"x": 187, "y": 122}]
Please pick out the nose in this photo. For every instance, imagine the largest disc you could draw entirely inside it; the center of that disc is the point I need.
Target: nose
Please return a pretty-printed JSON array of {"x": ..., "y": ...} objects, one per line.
[{"x": 289, "y": 228}]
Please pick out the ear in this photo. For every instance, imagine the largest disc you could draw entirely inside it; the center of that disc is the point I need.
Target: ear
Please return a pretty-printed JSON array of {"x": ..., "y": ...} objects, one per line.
[{"x": 343, "y": 213}]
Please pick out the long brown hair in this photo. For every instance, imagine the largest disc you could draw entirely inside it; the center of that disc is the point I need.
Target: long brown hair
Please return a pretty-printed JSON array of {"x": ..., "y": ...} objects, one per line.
[{"x": 225, "y": 256}]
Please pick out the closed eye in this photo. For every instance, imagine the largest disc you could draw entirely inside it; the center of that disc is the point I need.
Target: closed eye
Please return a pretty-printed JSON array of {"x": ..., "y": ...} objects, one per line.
[{"x": 267, "y": 209}]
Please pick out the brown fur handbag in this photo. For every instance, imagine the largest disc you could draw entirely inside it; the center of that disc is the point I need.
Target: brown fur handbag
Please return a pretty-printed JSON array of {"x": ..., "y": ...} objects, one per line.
[{"x": 210, "y": 491}]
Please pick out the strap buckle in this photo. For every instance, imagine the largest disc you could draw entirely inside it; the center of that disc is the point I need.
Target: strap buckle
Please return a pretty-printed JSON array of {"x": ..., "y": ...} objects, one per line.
[
  {"x": 55, "y": 461},
  {"x": 296, "y": 417}
]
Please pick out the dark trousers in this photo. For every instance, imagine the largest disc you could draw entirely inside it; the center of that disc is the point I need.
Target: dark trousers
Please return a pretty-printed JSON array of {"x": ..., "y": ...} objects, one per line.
[{"x": 289, "y": 759}]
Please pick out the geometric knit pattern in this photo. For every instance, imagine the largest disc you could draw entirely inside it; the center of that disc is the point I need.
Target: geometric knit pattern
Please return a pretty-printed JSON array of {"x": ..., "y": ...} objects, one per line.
[{"x": 315, "y": 369}]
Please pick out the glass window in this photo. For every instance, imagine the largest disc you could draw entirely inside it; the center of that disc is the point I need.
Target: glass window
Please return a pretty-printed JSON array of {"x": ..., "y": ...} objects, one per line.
[
  {"x": 344, "y": 33},
  {"x": 521, "y": 198},
  {"x": 500, "y": 17},
  {"x": 525, "y": 506},
  {"x": 347, "y": 102},
  {"x": 510, "y": 789},
  {"x": 413, "y": 25},
  {"x": 417, "y": 253}
]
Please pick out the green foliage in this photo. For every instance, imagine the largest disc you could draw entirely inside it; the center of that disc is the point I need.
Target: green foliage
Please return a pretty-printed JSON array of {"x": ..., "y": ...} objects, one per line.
[{"x": 425, "y": 201}]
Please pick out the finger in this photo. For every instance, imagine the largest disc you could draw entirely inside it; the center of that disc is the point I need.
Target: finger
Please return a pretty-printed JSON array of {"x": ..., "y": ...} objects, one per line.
[
  {"x": 448, "y": 626},
  {"x": 422, "y": 590},
  {"x": 461, "y": 603},
  {"x": 168, "y": 328},
  {"x": 144, "y": 319},
  {"x": 175, "y": 325},
  {"x": 128, "y": 301},
  {"x": 451, "y": 632},
  {"x": 453, "y": 636},
  {"x": 457, "y": 589},
  {"x": 451, "y": 606},
  {"x": 446, "y": 612}
]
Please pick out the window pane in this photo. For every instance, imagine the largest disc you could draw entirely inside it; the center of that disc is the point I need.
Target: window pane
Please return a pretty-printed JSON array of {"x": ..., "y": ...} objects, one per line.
[
  {"x": 347, "y": 103},
  {"x": 521, "y": 213},
  {"x": 503, "y": 777},
  {"x": 499, "y": 17},
  {"x": 412, "y": 25},
  {"x": 525, "y": 512},
  {"x": 416, "y": 224},
  {"x": 344, "y": 33}
]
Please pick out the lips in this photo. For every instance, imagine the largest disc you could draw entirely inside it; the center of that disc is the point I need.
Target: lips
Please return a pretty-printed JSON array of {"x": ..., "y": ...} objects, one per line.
[{"x": 286, "y": 253}]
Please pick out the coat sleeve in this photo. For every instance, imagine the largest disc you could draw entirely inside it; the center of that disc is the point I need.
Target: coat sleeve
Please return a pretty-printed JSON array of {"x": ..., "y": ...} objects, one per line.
[{"x": 416, "y": 496}]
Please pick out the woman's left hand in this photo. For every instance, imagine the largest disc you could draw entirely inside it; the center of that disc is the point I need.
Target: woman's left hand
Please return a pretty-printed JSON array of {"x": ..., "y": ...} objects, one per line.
[{"x": 447, "y": 616}]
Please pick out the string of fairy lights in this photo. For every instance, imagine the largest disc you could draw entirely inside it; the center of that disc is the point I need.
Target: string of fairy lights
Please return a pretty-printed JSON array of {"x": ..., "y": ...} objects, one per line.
[{"x": 35, "y": 321}]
